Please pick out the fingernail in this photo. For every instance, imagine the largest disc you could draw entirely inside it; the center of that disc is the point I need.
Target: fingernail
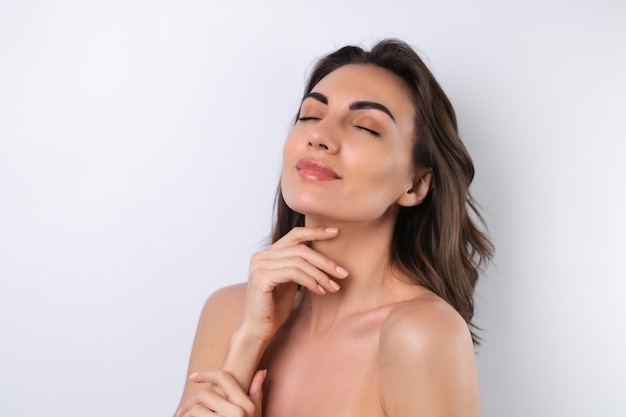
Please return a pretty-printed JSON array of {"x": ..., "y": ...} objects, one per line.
[
  {"x": 341, "y": 271},
  {"x": 331, "y": 230},
  {"x": 334, "y": 285},
  {"x": 192, "y": 376},
  {"x": 179, "y": 412},
  {"x": 321, "y": 289}
]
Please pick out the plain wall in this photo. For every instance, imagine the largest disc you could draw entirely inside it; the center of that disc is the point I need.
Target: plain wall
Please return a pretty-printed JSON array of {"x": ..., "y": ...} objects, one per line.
[{"x": 140, "y": 146}]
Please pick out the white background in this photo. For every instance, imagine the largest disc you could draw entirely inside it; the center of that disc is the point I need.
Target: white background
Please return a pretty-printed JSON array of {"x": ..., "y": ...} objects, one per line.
[{"x": 139, "y": 154}]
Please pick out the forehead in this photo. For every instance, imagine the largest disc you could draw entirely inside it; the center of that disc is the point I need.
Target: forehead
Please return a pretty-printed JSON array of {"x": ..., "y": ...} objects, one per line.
[{"x": 367, "y": 82}]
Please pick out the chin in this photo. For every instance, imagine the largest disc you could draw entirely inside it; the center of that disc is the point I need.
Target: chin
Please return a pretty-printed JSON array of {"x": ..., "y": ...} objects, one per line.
[
  {"x": 324, "y": 212},
  {"x": 307, "y": 205},
  {"x": 327, "y": 213}
]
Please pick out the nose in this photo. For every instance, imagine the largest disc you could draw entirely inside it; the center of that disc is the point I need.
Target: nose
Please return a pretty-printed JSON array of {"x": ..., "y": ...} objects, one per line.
[{"x": 323, "y": 137}]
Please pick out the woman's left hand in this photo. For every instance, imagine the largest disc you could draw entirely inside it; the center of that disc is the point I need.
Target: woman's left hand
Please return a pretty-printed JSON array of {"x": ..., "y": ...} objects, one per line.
[{"x": 224, "y": 396}]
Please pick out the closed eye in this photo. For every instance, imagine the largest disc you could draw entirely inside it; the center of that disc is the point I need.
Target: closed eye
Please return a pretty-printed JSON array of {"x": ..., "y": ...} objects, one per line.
[
  {"x": 372, "y": 132},
  {"x": 306, "y": 119}
]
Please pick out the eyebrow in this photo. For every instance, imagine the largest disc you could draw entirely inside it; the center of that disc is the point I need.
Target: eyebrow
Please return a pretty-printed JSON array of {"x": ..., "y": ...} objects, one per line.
[
  {"x": 317, "y": 96},
  {"x": 357, "y": 105}
]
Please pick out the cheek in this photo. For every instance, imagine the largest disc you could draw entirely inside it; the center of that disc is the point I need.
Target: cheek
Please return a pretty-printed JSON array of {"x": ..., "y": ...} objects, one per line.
[
  {"x": 386, "y": 174},
  {"x": 291, "y": 153},
  {"x": 290, "y": 147}
]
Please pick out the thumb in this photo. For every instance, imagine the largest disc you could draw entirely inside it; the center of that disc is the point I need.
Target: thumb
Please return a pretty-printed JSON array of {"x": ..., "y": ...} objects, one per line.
[{"x": 256, "y": 389}]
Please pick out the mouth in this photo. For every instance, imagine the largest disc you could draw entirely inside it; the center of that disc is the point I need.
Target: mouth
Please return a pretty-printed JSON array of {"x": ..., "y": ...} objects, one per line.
[{"x": 315, "y": 170}]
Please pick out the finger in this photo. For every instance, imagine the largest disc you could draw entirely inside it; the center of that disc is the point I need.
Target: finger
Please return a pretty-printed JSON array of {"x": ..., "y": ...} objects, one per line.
[
  {"x": 208, "y": 403},
  {"x": 256, "y": 390},
  {"x": 311, "y": 256},
  {"x": 212, "y": 402},
  {"x": 198, "y": 410},
  {"x": 227, "y": 384},
  {"x": 196, "y": 406},
  {"x": 305, "y": 234},
  {"x": 267, "y": 280},
  {"x": 299, "y": 266}
]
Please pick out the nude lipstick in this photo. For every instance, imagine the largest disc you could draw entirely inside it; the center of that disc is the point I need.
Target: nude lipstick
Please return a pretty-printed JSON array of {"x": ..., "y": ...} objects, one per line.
[{"x": 311, "y": 169}]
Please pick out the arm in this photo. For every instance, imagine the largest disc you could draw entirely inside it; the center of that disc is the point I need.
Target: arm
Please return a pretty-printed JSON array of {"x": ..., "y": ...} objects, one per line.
[
  {"x": 427, "y": 363},
  {"x": 238, "y": 322},
  {"x": 219, "y": 319},
  {"x": 275, "y": 275}
]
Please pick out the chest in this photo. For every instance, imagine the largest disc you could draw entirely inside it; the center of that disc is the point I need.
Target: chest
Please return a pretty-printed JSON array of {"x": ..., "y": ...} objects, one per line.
[{"x": 333, "y": 376}]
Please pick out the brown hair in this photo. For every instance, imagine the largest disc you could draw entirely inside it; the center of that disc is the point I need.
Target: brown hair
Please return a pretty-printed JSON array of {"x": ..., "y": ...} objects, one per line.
[{"x": 437, "y": 243}]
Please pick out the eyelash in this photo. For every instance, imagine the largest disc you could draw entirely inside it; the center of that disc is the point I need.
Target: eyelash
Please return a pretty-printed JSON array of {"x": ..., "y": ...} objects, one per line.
[{"x": 370, "y": 131}]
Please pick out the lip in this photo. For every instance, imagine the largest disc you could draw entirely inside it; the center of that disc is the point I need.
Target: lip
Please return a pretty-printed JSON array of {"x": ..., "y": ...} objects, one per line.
[{"x": 315, "y": 170}]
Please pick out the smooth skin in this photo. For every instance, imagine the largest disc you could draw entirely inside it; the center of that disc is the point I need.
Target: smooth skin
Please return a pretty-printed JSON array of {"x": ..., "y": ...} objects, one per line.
[{"x": 358, "y": 338}]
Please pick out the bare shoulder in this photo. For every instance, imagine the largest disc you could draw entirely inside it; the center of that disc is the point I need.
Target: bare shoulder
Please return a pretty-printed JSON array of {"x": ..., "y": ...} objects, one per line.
[
  {"x": 427, "y": 362},
  {"x": 226, "y": 299},
  {"x": 424, "y": 323},
  {"x": 219, "y": 319}
]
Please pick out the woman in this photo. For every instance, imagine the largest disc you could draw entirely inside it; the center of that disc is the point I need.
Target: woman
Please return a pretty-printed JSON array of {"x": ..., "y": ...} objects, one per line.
[{"x": 362, "y": 306}]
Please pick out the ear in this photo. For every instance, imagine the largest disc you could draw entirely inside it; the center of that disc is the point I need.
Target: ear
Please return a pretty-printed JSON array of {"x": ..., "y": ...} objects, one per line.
[{"x": 418, "y": 192}]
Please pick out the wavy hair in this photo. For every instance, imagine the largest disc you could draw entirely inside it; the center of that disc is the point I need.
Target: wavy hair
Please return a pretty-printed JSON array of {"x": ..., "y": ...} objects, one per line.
[{"x": 438, "y": 244}]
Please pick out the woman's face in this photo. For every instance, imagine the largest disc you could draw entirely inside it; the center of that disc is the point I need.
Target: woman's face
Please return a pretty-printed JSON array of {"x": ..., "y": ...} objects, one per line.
[{"x": 348, "y": 157}]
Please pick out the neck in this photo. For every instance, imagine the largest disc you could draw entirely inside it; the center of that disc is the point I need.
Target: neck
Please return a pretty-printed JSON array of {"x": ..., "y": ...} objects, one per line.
[{"x": 363, "y": 250}]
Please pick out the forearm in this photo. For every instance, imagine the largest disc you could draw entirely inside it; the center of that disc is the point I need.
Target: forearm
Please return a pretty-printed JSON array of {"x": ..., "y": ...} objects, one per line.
[{"x": 243, "y": 356}]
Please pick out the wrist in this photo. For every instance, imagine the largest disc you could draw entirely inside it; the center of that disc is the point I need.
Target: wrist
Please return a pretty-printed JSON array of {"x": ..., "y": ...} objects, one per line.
[
  {"x": 244, "y": 354},
  {"x": 254, "y": 333},
  {"x": 247, "y": 339}
]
